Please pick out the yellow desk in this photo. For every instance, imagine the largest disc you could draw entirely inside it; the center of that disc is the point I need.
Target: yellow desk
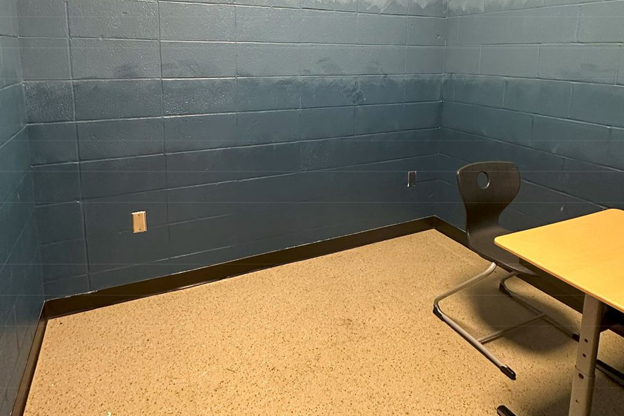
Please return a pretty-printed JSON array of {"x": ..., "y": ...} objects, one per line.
[{"x": 587, "y": 253}]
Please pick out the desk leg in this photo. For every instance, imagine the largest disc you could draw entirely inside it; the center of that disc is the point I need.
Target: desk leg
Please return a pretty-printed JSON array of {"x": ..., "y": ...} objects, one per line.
[{"x": 584, "y": 377}]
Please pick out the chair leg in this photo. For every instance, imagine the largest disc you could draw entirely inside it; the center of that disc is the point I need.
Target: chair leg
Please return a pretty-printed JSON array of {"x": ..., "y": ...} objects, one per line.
[
  {"x": 614, "y": 374},
  {"x": 461, "y": 331}
]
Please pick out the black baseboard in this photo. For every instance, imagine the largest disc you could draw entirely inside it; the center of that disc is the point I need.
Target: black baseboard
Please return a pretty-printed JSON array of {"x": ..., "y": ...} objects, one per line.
[
  {"x": 55, "y": 308},
  {"x": 29, "y": 372},
  {"x": 88, "y": 301}
]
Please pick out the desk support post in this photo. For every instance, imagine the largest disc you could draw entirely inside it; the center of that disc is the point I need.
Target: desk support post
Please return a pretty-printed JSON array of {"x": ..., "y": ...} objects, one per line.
[{"x": 584, "y": 377}]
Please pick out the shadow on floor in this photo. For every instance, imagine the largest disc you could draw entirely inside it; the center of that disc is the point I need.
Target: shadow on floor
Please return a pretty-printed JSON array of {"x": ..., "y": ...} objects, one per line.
[{"x": 607, "y": 401}]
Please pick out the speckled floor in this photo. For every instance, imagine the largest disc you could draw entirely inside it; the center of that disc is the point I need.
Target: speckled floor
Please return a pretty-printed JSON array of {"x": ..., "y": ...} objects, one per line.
[{"x": 349, "y": 333}]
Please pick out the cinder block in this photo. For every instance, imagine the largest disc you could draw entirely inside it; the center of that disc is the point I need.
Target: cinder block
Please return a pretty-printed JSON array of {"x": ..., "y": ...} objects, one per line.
[
  {"x": 426, "y": 8},
  {"x": 186, "y": 237},
  {"x": 381, "y": 59},
  {"x": 464, "y": 7},
  {"x": 328, "y": 27},
  {"x": 117, "y": 99},
  {"x": 590, "y": 63},
  {"x": 64, "y": 260},
  {"x": 329, "y": 60},
  {"x": 259, "y": 59},
  {"x": 60, "y": 222},
  {"x": 422, "y": 115},
  {"x": 210, "y": 166},
  {"x": 117, "y": 250},
  {"x": 66, "y": 286},
  {"x": 53, "y": 143},
  {"x": 12, "y": 114},
  {"x": 379, "y": 118},
  {"x": 188, "y": 21},
  {"x": 426, "y": 31},
  {"x": 381, "y": 89},
  {"x": 234, "y": 197},
  {"x": 44, "y": 58},
  {"x": 321, "y": 123},
  {"x": 42, "y": 18},
  {"x": 122, "y": 176},
  {"x": 488, "y": 91},
  {"x": 113, "y": 19},
  {"x": 601, "y": 22},
  {"x": 120, "y": 138},
  {"x": 598, "y": 103},
  {"x": 621, "y": 70},
  {"x": 329, "y": 92},
  {"x": 18, "y": 207},
  {"x": 463, "y": 117},
  {"x": 513, "y": 61},
  {"x": 57, "y": 183},
  {"x": 452, "y": 31},
  {"x": 49, "y": 101},
  {"x": 14, "y": 158},
  {"x": 112, "y": 214},
  {"x": 537, "y": 166},
  {"x": 551, "y": 98},
  {"x": 266, "y": 127},
  {"x": 424, "y": 60},
  {"x": 467, "y": 148},
  {"x": 385, "y": 7},
  {"x": 199, "y": 96},
  {"x": 481, "y": 29},
  {"x": 462, "y": 59},
  {"x": 342, "y": 5},
  {"x": 447, "y": 166},
  {"x": 583, "y": 141},
  {"x": 509, "y": 126},
  {"x": 379, "y": 29},
  {"x": 103, "y": 58},
  {"x": 200, "y": 132},
  {"x": 344, "y": 154},
  {"x": 598, "y": 184},
  {"x": 616, "y": 148},
  {"x": 267, "y": 93},
  {"x": 198, "y": 59},
  {"x": 277, "y": 3},
  {"x": 548, "y": 205},
  {"x": 543, "y": 25},
  {"x": 496, "y": 6},
  {"x": 11, "y": 68},
  {"x": 263, "y": 24},
  {"x": 423, "y": 88},
  {"x": 131, "y": 274}
]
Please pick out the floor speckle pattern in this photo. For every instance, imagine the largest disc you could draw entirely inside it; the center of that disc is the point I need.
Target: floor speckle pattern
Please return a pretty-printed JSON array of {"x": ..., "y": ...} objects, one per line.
[{"x": 349, "y": 333}]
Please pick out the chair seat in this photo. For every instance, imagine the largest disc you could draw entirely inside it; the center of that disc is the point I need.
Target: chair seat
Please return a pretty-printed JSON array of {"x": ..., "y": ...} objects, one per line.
[{"x": 482, "y": 242}]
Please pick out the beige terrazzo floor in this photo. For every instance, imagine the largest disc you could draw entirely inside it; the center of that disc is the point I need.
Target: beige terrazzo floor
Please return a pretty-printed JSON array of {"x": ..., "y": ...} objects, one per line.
[{"x": 349, "y": 333}]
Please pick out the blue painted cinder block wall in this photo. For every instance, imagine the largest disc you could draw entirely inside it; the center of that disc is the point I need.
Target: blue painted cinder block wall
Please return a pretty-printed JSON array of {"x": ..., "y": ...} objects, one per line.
[
  {"x": 241, "y": 127},
  {"x": 21, "y": 289},
  {"x": 539, "y": 83}
]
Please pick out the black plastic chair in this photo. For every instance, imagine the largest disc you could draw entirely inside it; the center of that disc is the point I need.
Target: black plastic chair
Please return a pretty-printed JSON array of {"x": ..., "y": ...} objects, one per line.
[{"x": 487, "y": 189}]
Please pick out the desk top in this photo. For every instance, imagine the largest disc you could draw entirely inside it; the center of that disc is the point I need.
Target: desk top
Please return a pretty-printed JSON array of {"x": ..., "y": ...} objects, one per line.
[{"x": 586, "y": 252}]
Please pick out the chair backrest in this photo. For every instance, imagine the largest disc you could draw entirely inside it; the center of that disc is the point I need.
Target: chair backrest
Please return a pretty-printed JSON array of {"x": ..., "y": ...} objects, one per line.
[{"x": 487, "y": 188}]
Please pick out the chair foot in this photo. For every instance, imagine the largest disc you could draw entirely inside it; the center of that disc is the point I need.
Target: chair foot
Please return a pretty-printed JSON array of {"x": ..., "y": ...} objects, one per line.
[
  {"x": 508, "y": 372},
  {"x": 504, "y": 411}
]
